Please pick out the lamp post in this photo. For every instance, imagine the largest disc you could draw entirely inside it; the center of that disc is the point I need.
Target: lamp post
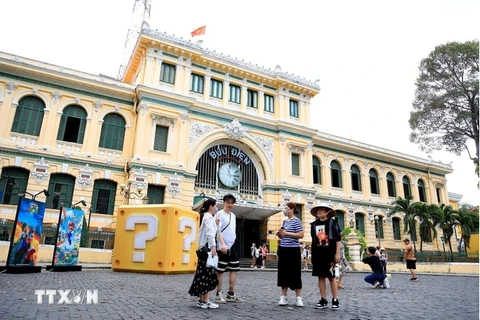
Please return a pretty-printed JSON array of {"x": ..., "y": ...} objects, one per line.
[
  {"x": 377, "y": 223},
  {"x": 45, "y": 191},
  {"x": 127, "y": 193},
  {"x": 75, "y": 204}
]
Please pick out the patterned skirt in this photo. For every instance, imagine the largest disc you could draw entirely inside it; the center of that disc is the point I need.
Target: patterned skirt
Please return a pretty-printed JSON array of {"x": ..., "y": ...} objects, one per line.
[{"x": 204, "y": 281}]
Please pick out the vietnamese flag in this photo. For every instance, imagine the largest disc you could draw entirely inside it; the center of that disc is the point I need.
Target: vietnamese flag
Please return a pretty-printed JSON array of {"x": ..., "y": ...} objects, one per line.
[{"x": 200, "y": 31}]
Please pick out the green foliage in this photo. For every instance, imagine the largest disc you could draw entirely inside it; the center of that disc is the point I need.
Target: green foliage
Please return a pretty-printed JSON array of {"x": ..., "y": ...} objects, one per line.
[
  {"x": 85, "y": 234},
  {"x": 446, "y": 105},
  {"x": 362, "y": 241},
  {"x": 468, "y": 220}
]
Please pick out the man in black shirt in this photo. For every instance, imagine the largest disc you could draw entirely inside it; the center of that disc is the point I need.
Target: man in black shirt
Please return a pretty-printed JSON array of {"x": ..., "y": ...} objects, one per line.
[{"x": 377, "y": 276}]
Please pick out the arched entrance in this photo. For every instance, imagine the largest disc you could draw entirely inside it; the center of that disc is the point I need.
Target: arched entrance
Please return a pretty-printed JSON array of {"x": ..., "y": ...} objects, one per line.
[{"x": 231, "y": 168}]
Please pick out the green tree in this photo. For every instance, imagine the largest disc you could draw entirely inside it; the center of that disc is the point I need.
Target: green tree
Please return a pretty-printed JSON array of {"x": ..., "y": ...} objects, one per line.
[
  {"x": 445, "y": 109},
  {"x": 429, "y": 216},
  {"x": 85, "y": 234},
  {"x": 468, "y": 222},
  {"x": 448, "y": 221},
  {"x": 409, "y": 211}
]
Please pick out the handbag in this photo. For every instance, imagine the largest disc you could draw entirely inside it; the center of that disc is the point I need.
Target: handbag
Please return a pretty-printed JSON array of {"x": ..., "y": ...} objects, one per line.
[
  {"x": 202, "y": 252},
  {"x": 212, "y": 261}
]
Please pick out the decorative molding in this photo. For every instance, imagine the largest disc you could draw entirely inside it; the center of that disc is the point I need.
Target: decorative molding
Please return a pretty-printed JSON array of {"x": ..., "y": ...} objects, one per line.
[
  {"x": 295, "y": 148},
  {"x": 174, "y": 185},
  {"x": 265, "y": 144},
  {"x": 97, "y": 105},
  {"x": 140, "y": 179},
  {"x": 143, "y": 108},
  {"x": 11, "y": 87},
  {"x": 162, "y": 119},
  {"x": 56, "y": 96},
  {"x": 235, "y": 130},
  {"x": 40, "y": 171},
  {"x": 85, "y": 177},
  {"x": 197, "y": 129},
  {"x": 184, "y": 117}
]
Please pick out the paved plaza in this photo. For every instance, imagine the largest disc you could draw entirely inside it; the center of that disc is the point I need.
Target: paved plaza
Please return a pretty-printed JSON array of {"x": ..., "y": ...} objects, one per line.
[{"x": 148, "y": 296}]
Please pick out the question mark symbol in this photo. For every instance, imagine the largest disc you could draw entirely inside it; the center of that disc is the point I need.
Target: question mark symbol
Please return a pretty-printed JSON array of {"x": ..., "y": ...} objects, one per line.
[
  {"x": 141, "y": 238},
  {"x": 189, "y": 238}
]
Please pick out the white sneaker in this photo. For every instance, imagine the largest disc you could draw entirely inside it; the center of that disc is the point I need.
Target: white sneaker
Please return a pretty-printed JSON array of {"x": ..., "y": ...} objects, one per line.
[
  {"x": 209, "y": 305},
  {"x": 299, "y": 302},
  {"x": 219, "y": 298},
  {"x": 283, "y": 301}
]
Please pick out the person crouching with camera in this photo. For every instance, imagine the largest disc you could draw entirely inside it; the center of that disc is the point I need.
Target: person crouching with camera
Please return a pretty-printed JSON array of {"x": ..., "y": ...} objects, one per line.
[
  {"x": 377, "y": 276},
  {"x": 205, "y": 279}
]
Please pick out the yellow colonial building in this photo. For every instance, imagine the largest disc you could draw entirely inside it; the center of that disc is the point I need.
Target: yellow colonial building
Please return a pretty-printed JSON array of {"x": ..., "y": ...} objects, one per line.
[{"x": 185, "y": 122}]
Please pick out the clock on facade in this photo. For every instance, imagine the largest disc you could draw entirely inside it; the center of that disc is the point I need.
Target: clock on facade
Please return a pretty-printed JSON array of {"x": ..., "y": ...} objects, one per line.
[{"x": 229, "y": 175}]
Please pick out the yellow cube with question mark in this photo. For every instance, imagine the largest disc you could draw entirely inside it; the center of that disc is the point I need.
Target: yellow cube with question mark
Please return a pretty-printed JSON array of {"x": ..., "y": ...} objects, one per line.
[{"x": 156, "y": 239}]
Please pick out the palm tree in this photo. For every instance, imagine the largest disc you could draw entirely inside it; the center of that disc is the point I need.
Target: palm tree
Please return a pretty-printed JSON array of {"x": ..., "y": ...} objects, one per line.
[
  {"x": 408, "y": 209},
  {"x": 448, "y": 221},
  {"x": 468, "y": 222},
  {"x": 429, "y": 217}
]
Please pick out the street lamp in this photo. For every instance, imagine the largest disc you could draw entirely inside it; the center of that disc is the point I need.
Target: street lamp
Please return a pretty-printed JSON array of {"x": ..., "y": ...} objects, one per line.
[
  {"x": 127, "y": 193},
  {"x": 377, "y": 222},
  {"x": 45, "y": 191},
  {"x": 75, "y": 204}
]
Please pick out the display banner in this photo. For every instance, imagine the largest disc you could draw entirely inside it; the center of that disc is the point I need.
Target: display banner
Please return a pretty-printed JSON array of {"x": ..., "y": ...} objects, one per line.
[
  {"x": 69, "y": 234},
  {"x": 27, "y": 233}
]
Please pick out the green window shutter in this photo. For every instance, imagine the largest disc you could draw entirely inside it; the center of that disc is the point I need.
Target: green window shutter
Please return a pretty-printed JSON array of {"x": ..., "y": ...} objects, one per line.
[
  {"x": 167, "y": 73},
  {"x": 252, "y": 99},
  {"x": 113, "y": 132},
  {"x": 81, "y": 130},
  {"x": 396, "y": 229},
  {"x": 317, "y": 177},
  {"x": 294, "y": 108},
  {"x": 19, "y": 177},
  {"x": 155, "y": 194},
  {"x": 216, "y": 89},
  {"x": 300, "y": 211},
  {"x": 61, "y": 127},
  {"x": 60, "y": 187},
  {"x": 196, "y": 83},
  {"x": 161, "y": 138},
  {"x": 336, "y": 173},
  {"x": 406, "y": 187},
  {"x": 103, "y": 199},
  {"x": 295, "y": 164},
  {"x": 360, "y": 222},
  {"x": 28, "y": 117},
  {"x": 339, "y": 216}
]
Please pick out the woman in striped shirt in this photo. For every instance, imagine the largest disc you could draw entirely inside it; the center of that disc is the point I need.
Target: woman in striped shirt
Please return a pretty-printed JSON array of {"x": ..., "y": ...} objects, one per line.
[{"x": 289, "y": 256}]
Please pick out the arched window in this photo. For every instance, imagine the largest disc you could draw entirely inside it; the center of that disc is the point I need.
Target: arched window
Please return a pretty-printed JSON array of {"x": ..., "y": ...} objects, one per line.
[
  {"x": 379, "y": 227},
  {"x": 340, "y": 217},
  {"x": 407, "y": 192},
  {"x": 356, "y": 178},
  {"x": 396, "y": 229},
  {"x": 113, "y": 132},
  {"x": 61, "y": 188},
  {"x": 103, "y": 199},
  {"x": 374, "y": 182},
  {"x": 29, "y": 116},
  {"x": 391, "y": 185},
  {"x": 421, "y": 191},
  {"x": 13, "y": 181},
  {"x": 72, "y": 124},
  {"x": 336, "y": 173},
  {"x": 317, "y": 173},
  {"x": 360, "y": 222}
]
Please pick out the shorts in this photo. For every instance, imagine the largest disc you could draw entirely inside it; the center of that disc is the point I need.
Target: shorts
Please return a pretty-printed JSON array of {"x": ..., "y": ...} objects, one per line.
[
  {"x": 228, "y": 262},
  {"x": 411, "y": 264}
]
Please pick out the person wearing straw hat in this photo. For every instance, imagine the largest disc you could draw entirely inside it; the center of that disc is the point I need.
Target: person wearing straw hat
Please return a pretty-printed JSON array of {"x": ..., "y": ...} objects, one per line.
[{"x": 325, "y": 252}]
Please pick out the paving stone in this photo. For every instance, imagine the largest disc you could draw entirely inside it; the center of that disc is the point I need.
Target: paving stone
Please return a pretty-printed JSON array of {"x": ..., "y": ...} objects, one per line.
[{"x": 150, "y": 296}]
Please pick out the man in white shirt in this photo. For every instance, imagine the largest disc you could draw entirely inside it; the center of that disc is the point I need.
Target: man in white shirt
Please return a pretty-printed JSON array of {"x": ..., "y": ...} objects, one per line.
[{"x": 227, "y": 257}]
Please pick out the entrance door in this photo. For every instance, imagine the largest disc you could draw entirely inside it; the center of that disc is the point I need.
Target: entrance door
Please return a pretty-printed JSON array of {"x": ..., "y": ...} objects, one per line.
[{"x": 249, "y": 232}]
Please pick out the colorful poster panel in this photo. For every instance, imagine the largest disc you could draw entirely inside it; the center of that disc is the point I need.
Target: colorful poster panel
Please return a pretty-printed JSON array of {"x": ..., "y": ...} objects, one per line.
[
  {"x": 68, "y": 239},
  {"x": 27, "y": 234}
]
